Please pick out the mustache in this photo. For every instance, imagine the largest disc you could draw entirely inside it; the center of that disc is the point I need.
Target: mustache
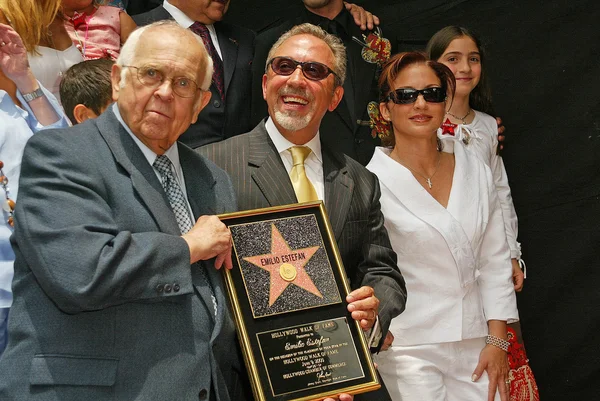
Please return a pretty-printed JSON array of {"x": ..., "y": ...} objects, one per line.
[{"x": 288, "y": 91}]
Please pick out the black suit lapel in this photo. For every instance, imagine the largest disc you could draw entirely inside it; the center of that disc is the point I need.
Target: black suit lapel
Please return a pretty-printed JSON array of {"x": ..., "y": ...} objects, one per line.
[
  {"x": 268, "y": 171},
  {"x": 338, "y": 190},
  {"x": 229, "y": 50},
  {"x": 143, "y": 178}
]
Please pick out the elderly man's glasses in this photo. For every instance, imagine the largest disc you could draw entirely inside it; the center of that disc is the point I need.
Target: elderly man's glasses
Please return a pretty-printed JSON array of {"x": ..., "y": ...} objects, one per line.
[
  {"x": 407, "y": 95},
  {"x": 152, "y": 77},
  {"x": 311, "y": 69}
]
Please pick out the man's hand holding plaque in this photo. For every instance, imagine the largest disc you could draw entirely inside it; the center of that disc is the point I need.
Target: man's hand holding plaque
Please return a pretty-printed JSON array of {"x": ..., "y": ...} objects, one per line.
[{"x": 363, "y": 305}]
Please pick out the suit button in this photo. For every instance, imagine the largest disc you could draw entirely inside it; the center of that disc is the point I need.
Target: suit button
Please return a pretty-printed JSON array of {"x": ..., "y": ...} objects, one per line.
[
  {"x": 358, "y": 141},
  {"x": 168, "y": 288},
  {"x": 217, "y": 104},
  {"x": 159, "y": 288},
  {"x": 176, "y": 287},
  {"x": 202, "y": 394}
]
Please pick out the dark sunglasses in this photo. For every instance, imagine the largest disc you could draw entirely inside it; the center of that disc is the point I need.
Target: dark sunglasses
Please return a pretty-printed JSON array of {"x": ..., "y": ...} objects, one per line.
[
  {"x": 311, "y": 69},
  {"x": 407, "y": 95}
]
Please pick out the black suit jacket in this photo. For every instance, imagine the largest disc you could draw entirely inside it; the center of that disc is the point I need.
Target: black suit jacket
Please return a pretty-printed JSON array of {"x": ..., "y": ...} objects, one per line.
[
  {"x": 343, "y": 129},
  {"x": 107, "y": 306},
  {"x": 351, "y": 200},
  {"x": 220, "y": 120}
]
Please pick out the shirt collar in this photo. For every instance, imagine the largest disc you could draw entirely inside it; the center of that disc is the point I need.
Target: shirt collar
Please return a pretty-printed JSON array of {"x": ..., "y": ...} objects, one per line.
[
  {"x": 282, "y": 144},
  {"x": 182, "y": 19},
  {"x": 172, "y": 153}
]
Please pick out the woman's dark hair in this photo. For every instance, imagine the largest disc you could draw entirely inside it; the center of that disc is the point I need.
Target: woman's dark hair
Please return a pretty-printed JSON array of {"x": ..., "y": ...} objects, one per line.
[
  {"x": 394, "y": 66},
  {"x": 481, "y": 96}
]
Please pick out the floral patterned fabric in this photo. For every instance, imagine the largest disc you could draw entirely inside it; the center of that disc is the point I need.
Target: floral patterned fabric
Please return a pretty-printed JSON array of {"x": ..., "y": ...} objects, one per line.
[{"x": 523, "y": 386}]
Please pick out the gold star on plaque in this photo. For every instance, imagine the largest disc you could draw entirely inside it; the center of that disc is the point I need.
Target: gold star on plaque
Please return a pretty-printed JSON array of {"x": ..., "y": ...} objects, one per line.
[{"x": 286, "y": 266}]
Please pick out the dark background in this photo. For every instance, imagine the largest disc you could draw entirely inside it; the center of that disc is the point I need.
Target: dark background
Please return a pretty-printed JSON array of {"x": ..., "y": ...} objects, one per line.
[{"x": 543, "y": 62}]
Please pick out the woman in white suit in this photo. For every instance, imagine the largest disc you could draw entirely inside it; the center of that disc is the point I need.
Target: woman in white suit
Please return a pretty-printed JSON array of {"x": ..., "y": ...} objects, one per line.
[{"x": 444, "y": 220}]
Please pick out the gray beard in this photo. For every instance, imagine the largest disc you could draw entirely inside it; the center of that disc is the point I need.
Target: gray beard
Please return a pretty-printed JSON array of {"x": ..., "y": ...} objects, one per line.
[{"x": 290, "y": 122}]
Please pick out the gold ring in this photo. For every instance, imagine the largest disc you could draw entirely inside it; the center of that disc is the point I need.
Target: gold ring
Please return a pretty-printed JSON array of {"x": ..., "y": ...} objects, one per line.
[
  {"x": 507, "y": 382},
  {"x": 3, "y": 44}
]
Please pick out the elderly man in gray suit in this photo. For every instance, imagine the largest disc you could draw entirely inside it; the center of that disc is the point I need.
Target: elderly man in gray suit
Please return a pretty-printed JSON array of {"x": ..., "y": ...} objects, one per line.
[
  {"x": 116, "y": 295},
  {"x": 282, "y": 161}
]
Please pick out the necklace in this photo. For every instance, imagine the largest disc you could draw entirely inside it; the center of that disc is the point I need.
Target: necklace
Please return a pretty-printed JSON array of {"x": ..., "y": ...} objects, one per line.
[
  {"x": 463, "y": 119},
  {"x": 61, "y": 68},
  {"x": 9, "y": 205},
  {"x": 427, "y": 179}
]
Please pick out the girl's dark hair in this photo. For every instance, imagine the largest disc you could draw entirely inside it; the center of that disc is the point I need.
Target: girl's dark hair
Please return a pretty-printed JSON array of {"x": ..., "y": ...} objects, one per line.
[
  {"x": 481, "y": 96},
  {"x": 394, "y": 66}
]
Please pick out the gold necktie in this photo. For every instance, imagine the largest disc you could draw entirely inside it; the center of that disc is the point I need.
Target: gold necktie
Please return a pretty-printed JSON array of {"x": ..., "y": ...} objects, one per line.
[{"x": 305, "y": 191}]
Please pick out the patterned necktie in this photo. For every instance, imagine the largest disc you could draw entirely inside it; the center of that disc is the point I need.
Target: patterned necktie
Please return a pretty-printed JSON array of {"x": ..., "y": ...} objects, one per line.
[
  {"x": 180, "y": 208},
  {"x": 217, "y": 78},
  {"x": 305, "y": 191}
]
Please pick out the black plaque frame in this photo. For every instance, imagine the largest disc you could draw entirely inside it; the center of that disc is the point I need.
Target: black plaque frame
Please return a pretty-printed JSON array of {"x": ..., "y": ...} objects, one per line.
[{"x": 254, "y": 331}]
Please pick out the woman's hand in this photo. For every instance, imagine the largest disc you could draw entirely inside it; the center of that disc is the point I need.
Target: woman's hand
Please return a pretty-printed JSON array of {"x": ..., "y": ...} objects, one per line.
[
  {"x": 517, "y": 275},
  {"x": 13, "y": 55},
  {"x": 495, "y": 362},
  {"x": 388, "y": 341}
]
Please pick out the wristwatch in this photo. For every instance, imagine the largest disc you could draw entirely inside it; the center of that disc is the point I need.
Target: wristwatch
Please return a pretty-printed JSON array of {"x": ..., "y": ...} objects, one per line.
[{"x": 33, "y": 95}]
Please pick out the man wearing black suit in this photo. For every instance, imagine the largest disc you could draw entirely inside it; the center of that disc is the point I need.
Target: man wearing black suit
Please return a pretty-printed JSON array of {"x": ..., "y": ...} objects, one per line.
[
  {"x": 304, "y": 80},
  {"x": 346, "y": 128},
  {"x": 116, "y": 295},
  {"x": 227, "y": 114}
]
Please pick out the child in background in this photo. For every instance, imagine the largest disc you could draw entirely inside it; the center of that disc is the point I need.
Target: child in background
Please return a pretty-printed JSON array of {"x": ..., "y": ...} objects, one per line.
[
  {"x": 86, "y": 89},
  {"x": 470, "y": 123},
  {"x": 97, "y": 30}
]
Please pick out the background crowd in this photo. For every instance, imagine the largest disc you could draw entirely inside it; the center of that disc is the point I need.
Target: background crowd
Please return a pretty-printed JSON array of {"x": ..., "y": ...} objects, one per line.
[{"x": 90, "y": 31}]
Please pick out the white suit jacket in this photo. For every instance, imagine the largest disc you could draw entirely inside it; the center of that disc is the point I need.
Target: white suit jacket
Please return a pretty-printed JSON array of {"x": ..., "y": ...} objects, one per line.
[
  {"x": 481, "y": 138},
  {"x": 455, "y": 260}
]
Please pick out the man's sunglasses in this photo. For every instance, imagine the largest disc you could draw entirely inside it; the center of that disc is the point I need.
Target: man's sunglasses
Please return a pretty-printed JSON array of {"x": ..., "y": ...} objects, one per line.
[
  {"x": 406, "y": 95},
  {"x": 311, "y": 69}
]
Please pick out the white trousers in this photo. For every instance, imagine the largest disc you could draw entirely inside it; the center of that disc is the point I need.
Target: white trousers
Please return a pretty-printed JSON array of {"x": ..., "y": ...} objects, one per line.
[{"x": 434, "y": 372}]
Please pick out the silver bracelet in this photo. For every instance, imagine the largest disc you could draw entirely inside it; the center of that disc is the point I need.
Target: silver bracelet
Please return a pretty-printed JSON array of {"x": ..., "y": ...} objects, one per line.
[{"x": 497, "y": 342}]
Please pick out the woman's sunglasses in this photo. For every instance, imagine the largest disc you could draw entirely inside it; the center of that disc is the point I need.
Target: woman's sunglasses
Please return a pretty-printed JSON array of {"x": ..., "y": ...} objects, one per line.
[
  {"x": 406, "y": 95},
  {"x": 311, "y": 69}
]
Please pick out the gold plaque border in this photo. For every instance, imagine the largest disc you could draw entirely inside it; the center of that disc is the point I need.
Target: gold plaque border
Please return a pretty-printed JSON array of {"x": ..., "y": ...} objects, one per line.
[{"x": 244, "y": 339}]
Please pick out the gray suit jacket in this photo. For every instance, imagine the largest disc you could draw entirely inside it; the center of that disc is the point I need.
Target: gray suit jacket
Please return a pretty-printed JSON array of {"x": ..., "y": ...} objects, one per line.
[
  {"x": 351, "y": 200},
  {"x": 106, "y": 304}
]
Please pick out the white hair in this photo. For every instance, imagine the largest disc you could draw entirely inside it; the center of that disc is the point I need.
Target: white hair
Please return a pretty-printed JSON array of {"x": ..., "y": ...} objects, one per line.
[{"x": 128, "y": 51}]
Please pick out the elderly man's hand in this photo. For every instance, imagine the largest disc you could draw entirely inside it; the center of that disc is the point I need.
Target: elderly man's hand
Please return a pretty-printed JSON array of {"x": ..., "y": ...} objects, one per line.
[
  {"x": 363, "y": 304},
  {"x": 210, "y": 238},
  {"x": 362, "y": 17}
]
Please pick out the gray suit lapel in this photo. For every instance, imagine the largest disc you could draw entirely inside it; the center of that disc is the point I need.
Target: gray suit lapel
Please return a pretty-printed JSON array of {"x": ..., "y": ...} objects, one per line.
[
  {"x": 338, "y": 190},
  {"x": 143, "y": 178},
  {"x": 198, "y": 182},
  {"x": 268, "y": 171}
]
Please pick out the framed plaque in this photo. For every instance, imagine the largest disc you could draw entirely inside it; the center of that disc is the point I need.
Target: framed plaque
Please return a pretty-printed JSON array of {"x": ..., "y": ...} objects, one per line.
[{"x": 288, "y": 290}]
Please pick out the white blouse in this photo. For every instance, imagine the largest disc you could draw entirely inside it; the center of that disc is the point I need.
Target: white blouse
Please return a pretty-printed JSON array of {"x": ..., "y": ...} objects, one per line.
[{"x": 50, "y": 65}]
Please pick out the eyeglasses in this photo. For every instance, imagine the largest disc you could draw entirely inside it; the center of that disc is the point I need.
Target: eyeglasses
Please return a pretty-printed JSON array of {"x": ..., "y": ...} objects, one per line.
[
  {"x": 152, "y": 77},
  {"x": 311, "y": 69},
  {"x": 407, "y": 95}
]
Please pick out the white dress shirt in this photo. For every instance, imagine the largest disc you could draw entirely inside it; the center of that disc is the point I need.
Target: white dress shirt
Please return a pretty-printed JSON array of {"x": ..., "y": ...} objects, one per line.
[
  {"x": 313, "y": 166},
  {"x": 172, "y": 153},
  {"x": 187, "y": 22}
]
